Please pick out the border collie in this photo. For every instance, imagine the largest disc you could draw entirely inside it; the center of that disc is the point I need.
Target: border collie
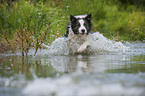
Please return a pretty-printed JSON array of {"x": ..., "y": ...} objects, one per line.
[{"x": 78, "y": 31}]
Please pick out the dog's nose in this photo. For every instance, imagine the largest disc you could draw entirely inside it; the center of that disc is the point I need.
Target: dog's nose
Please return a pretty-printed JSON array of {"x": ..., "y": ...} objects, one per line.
[{"x": 83, "y": 30}]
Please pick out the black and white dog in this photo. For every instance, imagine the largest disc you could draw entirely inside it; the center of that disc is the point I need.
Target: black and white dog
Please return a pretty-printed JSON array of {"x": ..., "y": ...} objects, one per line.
[{"x": 78, "y": 31}]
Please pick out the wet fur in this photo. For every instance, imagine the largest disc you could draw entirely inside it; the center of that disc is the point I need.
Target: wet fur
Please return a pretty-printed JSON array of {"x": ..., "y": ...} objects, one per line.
[{"x": 78, "y": 41}]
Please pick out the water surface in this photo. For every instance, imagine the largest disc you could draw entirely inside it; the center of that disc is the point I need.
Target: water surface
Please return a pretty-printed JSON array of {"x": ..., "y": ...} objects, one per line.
[{"x": 105, "y": 73}]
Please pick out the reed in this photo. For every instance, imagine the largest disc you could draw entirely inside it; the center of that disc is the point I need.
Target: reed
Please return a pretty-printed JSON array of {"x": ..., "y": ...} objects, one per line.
[{"x": 25, "y": 25}]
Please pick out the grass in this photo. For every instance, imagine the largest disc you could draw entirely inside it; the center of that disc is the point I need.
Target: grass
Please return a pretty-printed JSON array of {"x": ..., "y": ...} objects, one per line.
[
  {"x": 25, "y": 24},
  {"x": 112, "y": 18},
  {"x": 46, "y": 20}
]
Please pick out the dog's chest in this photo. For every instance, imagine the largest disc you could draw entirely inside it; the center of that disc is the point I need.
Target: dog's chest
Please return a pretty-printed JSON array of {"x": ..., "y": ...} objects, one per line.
[{"x": 77, "y": 39}]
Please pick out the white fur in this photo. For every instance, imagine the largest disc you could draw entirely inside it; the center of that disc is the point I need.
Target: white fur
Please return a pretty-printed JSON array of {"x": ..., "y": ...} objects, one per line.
[
  {"x": 82, "y": 27},
  {"x": 81, "y": 16}
]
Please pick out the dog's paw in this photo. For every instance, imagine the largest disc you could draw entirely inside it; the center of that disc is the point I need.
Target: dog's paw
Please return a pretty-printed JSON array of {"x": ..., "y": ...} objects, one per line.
[{"x": 83, "y": 47}]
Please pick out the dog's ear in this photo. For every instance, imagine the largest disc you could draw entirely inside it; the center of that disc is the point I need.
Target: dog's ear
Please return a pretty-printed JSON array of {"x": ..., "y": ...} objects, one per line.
[
  {"x": 88, "y": 17},
  {"x": 72, "y": 18}
]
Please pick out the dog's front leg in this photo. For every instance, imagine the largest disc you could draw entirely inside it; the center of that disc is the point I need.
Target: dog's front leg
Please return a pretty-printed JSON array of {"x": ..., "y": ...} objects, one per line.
[{"x": 83, "y": 47}]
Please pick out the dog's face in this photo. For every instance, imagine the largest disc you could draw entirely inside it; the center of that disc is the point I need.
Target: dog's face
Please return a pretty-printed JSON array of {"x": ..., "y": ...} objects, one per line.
[{"x": 81, "y": 24}]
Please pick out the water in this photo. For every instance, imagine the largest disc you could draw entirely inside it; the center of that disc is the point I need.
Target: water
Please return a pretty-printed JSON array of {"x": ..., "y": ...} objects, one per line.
[{"x": 112, "y": 69}]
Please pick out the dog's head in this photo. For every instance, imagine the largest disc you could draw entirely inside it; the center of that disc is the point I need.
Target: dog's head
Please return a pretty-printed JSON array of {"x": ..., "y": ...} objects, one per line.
[{"x": 81, "y": 24}]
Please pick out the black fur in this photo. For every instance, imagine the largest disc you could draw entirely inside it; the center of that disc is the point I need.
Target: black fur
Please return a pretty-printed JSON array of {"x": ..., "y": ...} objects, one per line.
[{"x": 67, "y": 30}]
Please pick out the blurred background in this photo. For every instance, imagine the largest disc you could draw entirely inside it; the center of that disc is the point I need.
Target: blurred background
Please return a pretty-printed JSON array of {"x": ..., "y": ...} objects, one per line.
[{"x": 30, "y": 23}]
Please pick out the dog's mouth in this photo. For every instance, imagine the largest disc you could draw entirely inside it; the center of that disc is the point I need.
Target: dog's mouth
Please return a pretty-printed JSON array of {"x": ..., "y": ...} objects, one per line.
[
  {"x": 81, "y": 33},
  {"x": 84, "y": 33}
]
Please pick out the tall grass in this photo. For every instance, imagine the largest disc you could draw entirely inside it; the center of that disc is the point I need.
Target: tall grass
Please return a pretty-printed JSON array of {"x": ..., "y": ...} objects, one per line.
[
  {"x": 24, "y": 20},
  {"x": 37, "y": 17},
  {"x": 46, "y": 20},
  {"x": 112, "y": 18}
]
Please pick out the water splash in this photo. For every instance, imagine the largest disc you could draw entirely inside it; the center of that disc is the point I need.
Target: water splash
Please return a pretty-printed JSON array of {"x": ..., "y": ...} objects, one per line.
[
  {"x": 98, "y": 45},
  {"x": 16, "y": 81},
  {"x": 86, "y": 85}
]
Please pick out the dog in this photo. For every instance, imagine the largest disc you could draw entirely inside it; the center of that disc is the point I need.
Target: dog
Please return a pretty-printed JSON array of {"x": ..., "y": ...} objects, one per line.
[{"x": 78, "y": 31}]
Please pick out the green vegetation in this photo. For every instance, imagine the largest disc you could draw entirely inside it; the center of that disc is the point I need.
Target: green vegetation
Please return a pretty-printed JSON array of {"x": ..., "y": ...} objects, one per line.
[
  {"x": 25, "y": 24},
  {"x": 29, "y": 23}
]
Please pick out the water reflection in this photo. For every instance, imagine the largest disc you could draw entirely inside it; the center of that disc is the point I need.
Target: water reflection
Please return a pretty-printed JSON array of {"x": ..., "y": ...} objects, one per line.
[{"x": 51, "y": 66}]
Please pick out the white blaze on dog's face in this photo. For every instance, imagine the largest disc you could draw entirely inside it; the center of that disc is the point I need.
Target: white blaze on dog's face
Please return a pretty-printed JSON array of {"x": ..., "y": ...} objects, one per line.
[
  {"x": 82, "y": 29},
  {"x": 81, "y": 24}
]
